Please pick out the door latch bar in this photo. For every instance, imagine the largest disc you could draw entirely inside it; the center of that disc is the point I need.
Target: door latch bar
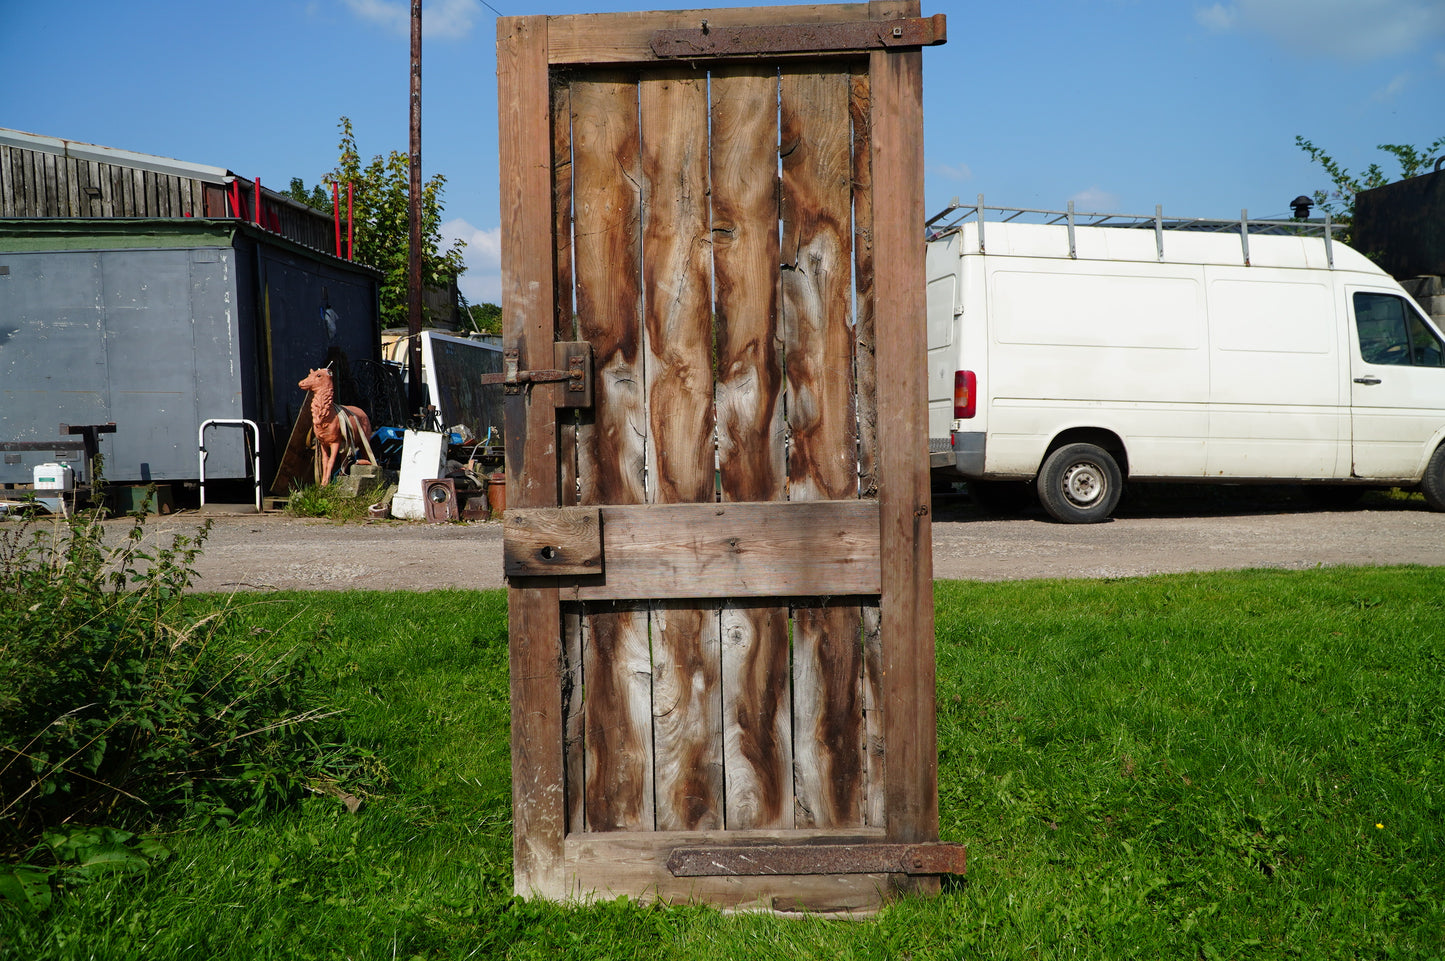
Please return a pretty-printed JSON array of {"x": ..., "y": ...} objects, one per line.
[
  {"x": 574, "y": 368},
  {"x": 871, "y": 857}
]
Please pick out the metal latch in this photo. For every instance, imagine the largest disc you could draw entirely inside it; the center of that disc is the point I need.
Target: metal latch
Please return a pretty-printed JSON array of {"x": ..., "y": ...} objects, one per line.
[
  {"x": 574, "y": 368},
  {"x": 852, "y": 36},
  {"x": 870, "y": 857}
]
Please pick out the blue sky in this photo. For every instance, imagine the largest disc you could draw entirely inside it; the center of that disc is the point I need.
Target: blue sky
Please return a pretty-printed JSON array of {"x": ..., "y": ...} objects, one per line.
[{"x": 1115, "y": 104}]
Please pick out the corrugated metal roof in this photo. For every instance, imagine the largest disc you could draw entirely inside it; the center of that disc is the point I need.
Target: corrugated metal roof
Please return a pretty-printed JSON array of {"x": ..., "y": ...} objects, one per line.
[{"x": 111, "y": 155}]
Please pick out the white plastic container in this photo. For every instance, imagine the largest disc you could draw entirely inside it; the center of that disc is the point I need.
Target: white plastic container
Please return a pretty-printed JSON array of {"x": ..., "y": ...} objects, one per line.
[{"x": 54, "y": 477}]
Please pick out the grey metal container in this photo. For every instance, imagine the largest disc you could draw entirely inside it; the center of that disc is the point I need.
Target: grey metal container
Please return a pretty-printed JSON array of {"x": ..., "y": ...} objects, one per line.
[{"x": 160, "y": 325}]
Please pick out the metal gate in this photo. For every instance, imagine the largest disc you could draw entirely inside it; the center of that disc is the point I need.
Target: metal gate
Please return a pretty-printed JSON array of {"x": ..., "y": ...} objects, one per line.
[{"x": 718, "y": 542}]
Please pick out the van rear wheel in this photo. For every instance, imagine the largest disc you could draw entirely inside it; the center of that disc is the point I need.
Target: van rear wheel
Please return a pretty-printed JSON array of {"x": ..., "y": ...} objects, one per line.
[
  {"x": 1432, "y": 485},
  {"x": 1080, "y": 484}
]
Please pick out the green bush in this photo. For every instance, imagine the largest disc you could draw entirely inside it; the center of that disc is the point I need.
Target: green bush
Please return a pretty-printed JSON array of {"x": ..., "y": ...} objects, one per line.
[
  {"x": 327, "y": 500},
  {"x": 118, "y": 709}
]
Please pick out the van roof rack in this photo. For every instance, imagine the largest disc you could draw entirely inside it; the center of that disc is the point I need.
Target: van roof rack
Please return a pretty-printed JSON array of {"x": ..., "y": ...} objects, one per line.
[{"x": 952, "y": 218}]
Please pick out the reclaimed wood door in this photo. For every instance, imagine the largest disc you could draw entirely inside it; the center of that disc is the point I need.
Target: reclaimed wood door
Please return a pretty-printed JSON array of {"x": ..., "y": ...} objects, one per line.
[{"x": 717, "y": 542}]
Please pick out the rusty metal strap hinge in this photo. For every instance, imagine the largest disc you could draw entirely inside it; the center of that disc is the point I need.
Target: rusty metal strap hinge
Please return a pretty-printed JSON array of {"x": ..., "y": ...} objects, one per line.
[
  {"x": 574, "y": 368},
  {"x": 872, "y": 857},
  {"x": 849, "y": 36}
]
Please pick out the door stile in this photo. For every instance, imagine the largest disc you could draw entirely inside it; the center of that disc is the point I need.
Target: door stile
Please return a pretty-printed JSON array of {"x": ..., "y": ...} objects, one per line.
[
  {"x": 865, "y": 365},
  {"x": 904, "y": 495},
  {"x": 534, "y": 654},
  {"x": 817, "y": 281},
  {"x": 677, "y": 272},
  {"x": 757, "y": 736},
  {"x": 607, "y": 245}
]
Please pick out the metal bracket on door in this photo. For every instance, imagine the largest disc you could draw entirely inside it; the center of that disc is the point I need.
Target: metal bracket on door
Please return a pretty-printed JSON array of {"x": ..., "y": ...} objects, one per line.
[
  {"x": 574, "y": 368},
  {"x": 870, "y": 857},
  {"x": 852, "y": 36}
]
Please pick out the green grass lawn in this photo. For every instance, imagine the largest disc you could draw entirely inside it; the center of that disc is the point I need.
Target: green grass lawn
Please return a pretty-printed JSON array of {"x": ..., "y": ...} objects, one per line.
[{"x": 1233, "y": 765}]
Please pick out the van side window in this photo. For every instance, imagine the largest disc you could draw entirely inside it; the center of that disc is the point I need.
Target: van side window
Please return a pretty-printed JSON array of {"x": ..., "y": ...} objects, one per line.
[{"x": 1392, "y": 333}]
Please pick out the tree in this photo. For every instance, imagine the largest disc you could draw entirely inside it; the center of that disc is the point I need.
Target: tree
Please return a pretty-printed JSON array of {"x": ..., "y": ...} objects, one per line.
[
  {"x": 381, "y": 223},
  {"x": 486, "y": 318},
  {"x": 1339, "y": 203},
  {"x": 315, "y": 197}
]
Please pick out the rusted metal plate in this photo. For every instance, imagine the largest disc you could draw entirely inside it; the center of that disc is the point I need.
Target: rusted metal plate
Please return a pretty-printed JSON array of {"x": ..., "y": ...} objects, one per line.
[
  {"x": 706, "y": 42},
  {"x": 869, "y": 858}
]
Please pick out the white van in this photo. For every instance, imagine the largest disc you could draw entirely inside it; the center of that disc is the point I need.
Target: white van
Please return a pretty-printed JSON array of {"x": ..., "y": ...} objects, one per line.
[{"x": 1077, "y": 350}]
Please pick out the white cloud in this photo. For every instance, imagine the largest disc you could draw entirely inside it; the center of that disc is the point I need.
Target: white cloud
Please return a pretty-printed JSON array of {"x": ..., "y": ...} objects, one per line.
[
  {"x": 1357, "y": 30},
  {"x": 1096, "y": 200},
  {"x": 451, "y": 19},
  {"x": 482, "y": 282},
  {"x": 1392, "y": 89},
  {"x": 959, "y": 171},
  {"x": 1217, "y": 18}
]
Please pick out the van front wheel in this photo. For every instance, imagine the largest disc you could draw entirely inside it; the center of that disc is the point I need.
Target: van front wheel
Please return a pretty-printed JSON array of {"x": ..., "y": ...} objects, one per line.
[
  {"x": 1432, "y": 485},
  {"x": 1080, "y": 484}
]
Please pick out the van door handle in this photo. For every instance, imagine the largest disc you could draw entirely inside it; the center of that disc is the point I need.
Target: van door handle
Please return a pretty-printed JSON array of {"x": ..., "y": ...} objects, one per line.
[{"x": 1367, "y": 379}]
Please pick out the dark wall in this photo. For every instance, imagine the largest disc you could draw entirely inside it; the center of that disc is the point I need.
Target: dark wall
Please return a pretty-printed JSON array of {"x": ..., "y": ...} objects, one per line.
[{"x": 1402, "y": 225}]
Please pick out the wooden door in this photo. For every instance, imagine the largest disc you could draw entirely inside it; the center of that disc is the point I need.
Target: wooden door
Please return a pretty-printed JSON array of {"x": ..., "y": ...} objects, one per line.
[{"x": 718, "y": 542}]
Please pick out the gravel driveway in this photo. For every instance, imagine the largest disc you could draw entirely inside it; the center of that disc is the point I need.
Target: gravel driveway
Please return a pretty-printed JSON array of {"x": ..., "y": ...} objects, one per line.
[{"x": 1183, "y": 532}]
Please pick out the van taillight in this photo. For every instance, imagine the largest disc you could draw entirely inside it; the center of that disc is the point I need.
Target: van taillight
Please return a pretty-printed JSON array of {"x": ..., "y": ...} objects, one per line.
[{"x": 965, "y": 394}]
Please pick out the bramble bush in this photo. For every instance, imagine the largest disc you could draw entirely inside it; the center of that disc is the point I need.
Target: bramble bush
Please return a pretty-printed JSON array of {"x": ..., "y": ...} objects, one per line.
[{"x": 120, "y": 712}]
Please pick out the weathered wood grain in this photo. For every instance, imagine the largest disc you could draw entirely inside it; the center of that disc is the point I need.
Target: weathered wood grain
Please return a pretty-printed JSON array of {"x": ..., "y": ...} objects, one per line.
[
  {"x": 565, "y": 331},
  {"x": 876, "y": 756},
  {"x": 535, "y": 649},
  {"x": 626, "y": 37},
  {"x": 566, "y": 320},
  {"x": 607, "y": 250},
  {"x": 720, "y": 550},
  {"x": 757, "y": 734},
  {"x": 677, "y": 274},
  {"x": 822, "y": 456},
  {"x": 635, "y": 863},
  {"x": 552, "y": 542},
  {"x": 864, "y": 327},
  {"x": 904, "y": 499},
  {"x": 617, "y": 726},
  {"x": 687, "y": 716},
  {"x": 757, "y": 737}
]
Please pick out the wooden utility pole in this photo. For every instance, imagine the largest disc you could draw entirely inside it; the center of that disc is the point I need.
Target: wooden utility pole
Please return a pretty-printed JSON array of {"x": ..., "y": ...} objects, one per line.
[{"x": 415, "y": 397}]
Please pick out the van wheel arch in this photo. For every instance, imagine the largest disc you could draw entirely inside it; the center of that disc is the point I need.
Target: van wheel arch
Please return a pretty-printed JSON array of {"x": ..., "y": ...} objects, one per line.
[
  {"x": 1100, "y": 437},
  {"x": 1082, "y": 476},
  {"x": 1432, "y": 483}
]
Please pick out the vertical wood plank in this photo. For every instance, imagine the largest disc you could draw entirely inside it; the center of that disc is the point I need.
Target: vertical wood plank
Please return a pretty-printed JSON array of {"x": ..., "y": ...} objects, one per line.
[
  {"x": 52, "y": 206},
  {"x": 865, "y": 339},
  {"x": 73, "y": 201},
  {"x": 607, "y": 247},
  {"x": 7, "y": 205},
  {"x": 535, "y": 651},
  {"x": 822, "y": 458},
  {"x": 904, "y": 500},
  {"x": 757, "y": 738},
  {"x": 687, "y": 641},
  {"x": 565, "y": 330}
]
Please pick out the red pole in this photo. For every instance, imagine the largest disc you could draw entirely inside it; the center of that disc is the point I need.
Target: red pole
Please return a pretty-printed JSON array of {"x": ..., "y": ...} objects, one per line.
[
  {"x": 349, "y": 232},
  {"x": 256, "y": 186},
  {"x": 336, "y": 214},
  {"x": 236, "y": 198}
]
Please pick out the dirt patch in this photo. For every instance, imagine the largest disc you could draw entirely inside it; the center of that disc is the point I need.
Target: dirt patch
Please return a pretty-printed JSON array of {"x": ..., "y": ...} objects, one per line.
[{"x": 275, "y": 552}]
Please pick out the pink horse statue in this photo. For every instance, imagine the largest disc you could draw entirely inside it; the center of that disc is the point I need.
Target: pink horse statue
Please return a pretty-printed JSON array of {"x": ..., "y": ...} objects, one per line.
[{"x": 333, "y": 423}]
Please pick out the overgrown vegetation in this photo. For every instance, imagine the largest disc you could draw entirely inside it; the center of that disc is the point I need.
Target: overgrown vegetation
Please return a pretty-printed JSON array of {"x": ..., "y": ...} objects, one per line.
[
  {"x": 123, "y": 714},
  {"x": 1339, "y": 200},
  {"x": 1233, "y": 765},
  {"x": 329, "y": 501}
]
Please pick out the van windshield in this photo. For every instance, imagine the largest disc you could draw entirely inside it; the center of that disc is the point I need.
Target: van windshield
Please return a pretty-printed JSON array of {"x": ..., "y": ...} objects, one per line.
[{"x": 1392, "y": 333}]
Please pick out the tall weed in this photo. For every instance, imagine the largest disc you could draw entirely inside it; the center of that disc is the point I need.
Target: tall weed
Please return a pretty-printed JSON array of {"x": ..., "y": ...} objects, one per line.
[{"x": 117, "y": 708}]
